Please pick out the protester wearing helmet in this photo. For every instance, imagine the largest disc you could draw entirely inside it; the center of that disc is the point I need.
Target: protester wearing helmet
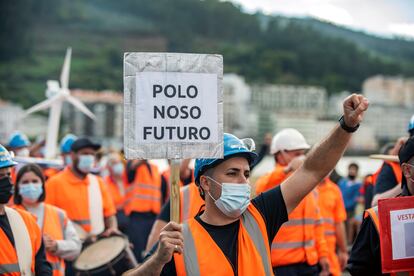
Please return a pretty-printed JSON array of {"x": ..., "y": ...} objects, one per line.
[
  {"x": 19, "y": 144},
  {"x": 233, "y": 234},
  {"x": 20, "y": 237},
  {"x": 65, "y": 145},
  {"x": 365, "y": 258},
  {"x": 298, "y": 248},
  {"x": 411, "y": 126}
]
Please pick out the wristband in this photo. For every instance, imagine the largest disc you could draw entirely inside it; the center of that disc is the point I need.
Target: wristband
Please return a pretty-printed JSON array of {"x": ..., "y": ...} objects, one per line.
[{"x": 345, "y": 127}]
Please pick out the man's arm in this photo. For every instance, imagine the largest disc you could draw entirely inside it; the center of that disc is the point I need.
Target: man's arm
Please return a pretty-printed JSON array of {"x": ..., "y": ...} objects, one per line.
[
  {"x": 323, "y": 157},
  {"x": 111, "y": 226},
  {"x": 171, "y": 240},
  {"x": 388, "y": 194}
]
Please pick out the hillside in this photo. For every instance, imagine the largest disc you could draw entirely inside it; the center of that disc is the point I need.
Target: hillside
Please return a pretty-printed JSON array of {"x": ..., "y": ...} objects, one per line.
[{"x": 35, "y": 35}]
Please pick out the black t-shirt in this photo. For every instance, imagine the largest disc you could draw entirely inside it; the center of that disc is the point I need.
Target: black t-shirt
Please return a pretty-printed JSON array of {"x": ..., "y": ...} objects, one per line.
[
  {"x": 386, "y": 179},
  {"x": 271, "y": 206},
  {"x": 42, "y": 267}
]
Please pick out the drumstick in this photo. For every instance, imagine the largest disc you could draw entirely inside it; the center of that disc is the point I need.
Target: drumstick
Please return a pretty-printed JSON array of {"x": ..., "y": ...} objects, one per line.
[
  {"x": 175, "y": 191},
  {"x": 392, "y": 158}
]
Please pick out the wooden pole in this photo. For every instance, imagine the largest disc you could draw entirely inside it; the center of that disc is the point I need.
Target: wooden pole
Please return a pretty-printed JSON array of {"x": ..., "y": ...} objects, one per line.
[{"x": 175, "y": 191}]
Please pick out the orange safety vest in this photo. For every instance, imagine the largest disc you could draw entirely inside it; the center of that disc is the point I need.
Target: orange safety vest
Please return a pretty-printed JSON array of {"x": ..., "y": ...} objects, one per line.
[
  {"x": 54, "y": 225},
  {"x": 9, "y": 263},
  {"x": 190, "y": 201},
  {"x": 144, "y": 193},
  {"x": 271, "y": 179},
  {"x": 117, "y": 197},
  {"x": 332, "y": 211},
  {"x": 373, "y": 214},
  {"x": 301, "y": 239},
  {"x": 202, "y": 256}
]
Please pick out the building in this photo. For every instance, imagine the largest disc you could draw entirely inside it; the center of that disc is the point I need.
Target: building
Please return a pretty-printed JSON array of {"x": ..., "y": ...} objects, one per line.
[
  {"x": 108, "y": 109},
  {"x": 10, "y": 119},
  {"x": 389, "y": 91},
  {"x": 392, "y": 105},
  {"x": 280, "y": 106},
  {"x": 236, "y": 101}
]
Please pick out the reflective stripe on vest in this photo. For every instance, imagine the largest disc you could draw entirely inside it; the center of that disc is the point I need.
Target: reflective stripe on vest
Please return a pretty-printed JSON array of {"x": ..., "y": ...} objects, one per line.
[
  {"x": 296, "y": 222},
  {"x": 9, "y": 268},
  {"x": 61, "y": 216},
  {"x": 327, "y": 220},
  {"x": 373, "y": 213},
  {"x": 251, "y": 226},
  {"x": 82, "y": 221},
  {"x": 56, "y": 266},
  {"x": 329, "y": 233},
  {"x": 289, "y": 245}
]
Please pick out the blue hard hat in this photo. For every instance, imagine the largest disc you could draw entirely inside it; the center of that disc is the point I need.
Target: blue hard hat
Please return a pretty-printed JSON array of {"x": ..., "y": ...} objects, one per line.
[
  {"x": 411, "y": 124},
  {"x": 18, "y": 140},
  {"x": 6, "y": 159},
  {"x": 233, "y": 146},
  {"x": 66, "y": 143}
]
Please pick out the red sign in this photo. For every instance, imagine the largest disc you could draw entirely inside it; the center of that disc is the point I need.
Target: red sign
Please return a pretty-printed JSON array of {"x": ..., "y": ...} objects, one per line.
[{"x": 396, "y": 218}]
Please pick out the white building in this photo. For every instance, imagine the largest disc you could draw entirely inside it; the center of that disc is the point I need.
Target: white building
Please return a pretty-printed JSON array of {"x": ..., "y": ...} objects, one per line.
[
  {"x": 280, "y": 106},
  {"x": 391, "y": 106},
  {"x": 392, "y": 91},
  {"x": 236, "y": 100},
  {"x": 108, "y": 109},
  {"x": 10, "y": 118}
]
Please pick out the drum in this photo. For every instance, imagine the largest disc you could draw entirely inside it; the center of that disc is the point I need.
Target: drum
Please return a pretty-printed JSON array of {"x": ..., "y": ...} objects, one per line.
[{"x": 107, "y": 256}]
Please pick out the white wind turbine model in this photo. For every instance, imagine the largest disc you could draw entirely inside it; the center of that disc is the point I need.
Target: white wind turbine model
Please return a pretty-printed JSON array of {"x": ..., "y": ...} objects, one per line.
[{"x": 56, "y": 95}]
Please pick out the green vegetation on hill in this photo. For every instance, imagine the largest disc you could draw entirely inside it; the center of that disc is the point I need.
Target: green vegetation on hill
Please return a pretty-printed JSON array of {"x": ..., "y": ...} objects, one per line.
[{"x": 35, "y": 35}]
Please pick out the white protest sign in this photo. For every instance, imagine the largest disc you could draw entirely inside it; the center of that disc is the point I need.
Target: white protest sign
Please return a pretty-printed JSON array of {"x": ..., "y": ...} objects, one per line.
[
  {"x": 402, "y": 234},
  {"x": 173, "y": 106}
]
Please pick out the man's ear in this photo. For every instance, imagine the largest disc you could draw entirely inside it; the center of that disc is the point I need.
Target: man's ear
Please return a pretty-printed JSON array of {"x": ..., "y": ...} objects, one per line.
[
  {"x": 406, "y": 170},
  {"x": 204, "y": 183}
]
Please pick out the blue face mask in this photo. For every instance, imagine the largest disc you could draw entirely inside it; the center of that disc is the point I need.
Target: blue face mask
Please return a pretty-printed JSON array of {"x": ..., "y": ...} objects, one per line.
[
  {"x": 234, "y": 199},
  {"x": 31, "y": 191},
  {"x": 86, "y": 163},
  {"x": 118, "y": 169}
]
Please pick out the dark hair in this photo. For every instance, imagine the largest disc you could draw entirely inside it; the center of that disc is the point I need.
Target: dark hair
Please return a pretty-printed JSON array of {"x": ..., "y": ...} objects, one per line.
[
  {"x": 355, "y": 165},
  {"x": 22, "y": 171}
]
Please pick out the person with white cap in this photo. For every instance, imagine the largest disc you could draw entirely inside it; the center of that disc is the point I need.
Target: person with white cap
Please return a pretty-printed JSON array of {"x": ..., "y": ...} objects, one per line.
[{"x": 300, "y": 244}]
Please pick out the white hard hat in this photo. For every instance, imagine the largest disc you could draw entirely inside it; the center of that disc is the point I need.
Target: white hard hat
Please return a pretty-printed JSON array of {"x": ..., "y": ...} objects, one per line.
[{"x": 288, "y": 139}]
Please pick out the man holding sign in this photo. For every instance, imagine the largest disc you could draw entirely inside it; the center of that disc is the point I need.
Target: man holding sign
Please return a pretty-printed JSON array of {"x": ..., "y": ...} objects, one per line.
[
  {"x": 365, "y": 258},
  {"x": 233, "y": 234}
]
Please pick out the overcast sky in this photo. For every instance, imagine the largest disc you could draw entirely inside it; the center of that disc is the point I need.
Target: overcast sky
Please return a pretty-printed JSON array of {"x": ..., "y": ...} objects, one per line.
[{"x": 381, "y": 17}]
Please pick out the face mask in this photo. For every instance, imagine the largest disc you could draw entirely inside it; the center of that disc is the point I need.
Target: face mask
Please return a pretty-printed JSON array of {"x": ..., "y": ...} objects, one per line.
[
  {"x": 6, "y": 188},
  {"x": 86, "y": 163},
  {"x": 118, "y": 169},
  {"x": 23, "y": 152},
  {"x": 31, "y": 191},
  {"x": 352, "y": 177},
  {"x": 68, "y": 160},
  {"x": 234, "y": 199}
]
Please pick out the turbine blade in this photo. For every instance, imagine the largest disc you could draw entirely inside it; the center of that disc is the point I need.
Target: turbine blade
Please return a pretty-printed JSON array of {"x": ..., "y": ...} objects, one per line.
[
  {"x": 64, "y": 76},
  {"x": 79, "y": 105},
  {"x": 43, "y": 105}
]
